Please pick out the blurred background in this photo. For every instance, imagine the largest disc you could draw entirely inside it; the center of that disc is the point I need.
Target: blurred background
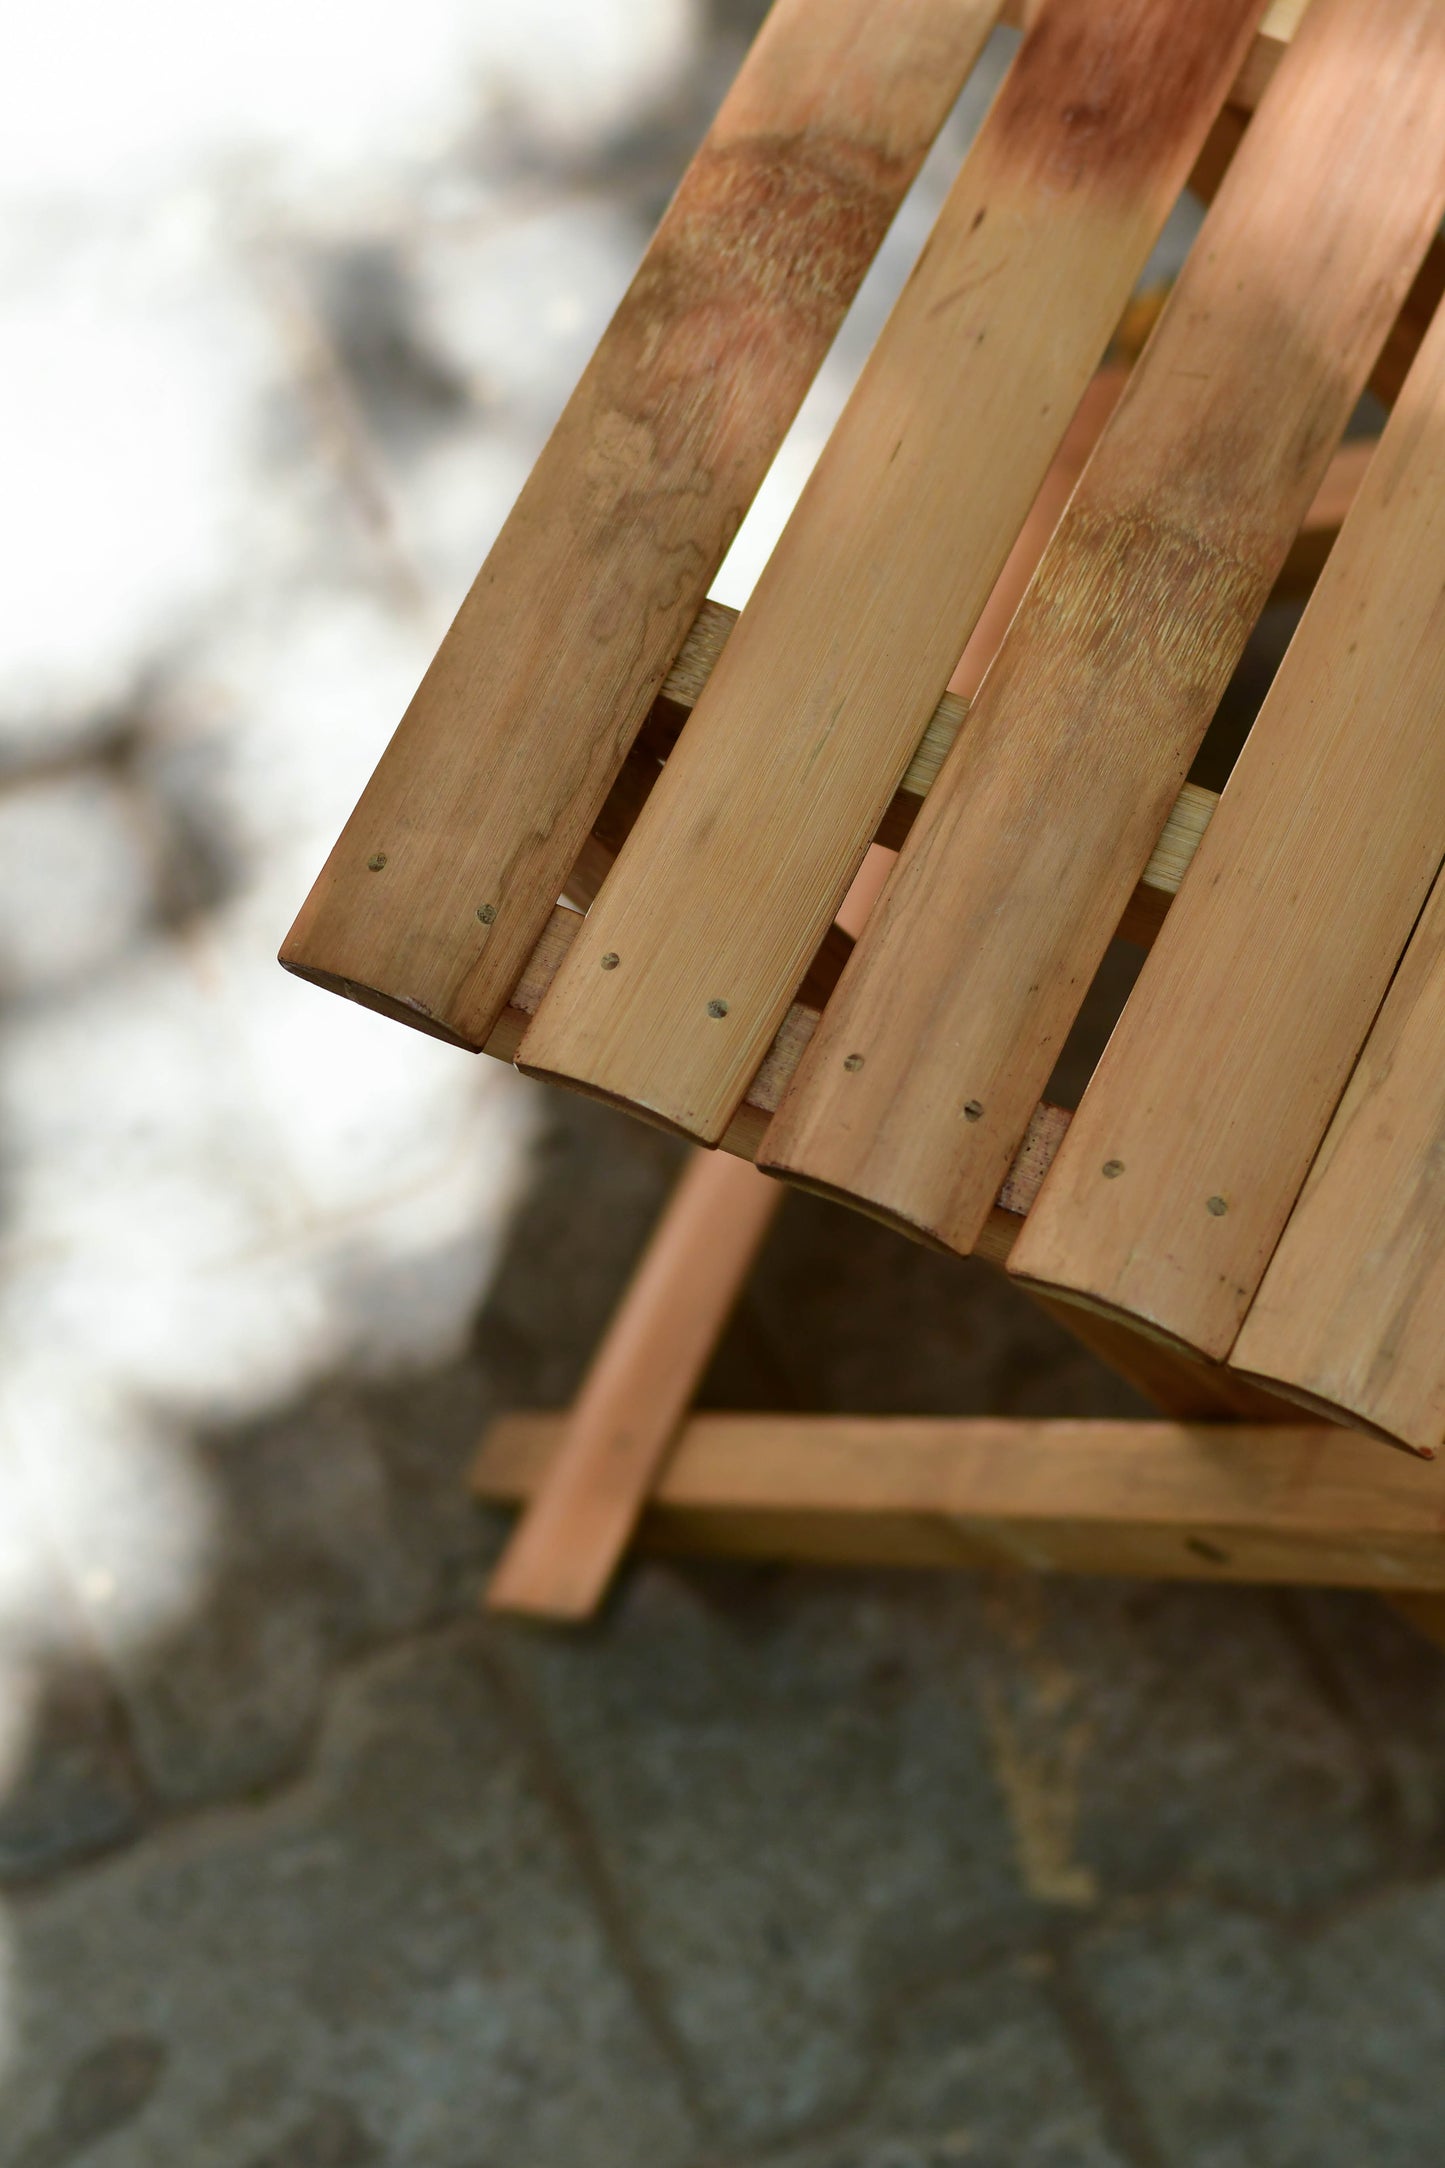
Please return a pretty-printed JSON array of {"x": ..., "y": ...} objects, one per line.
[{"x": 301, "y": 1864}]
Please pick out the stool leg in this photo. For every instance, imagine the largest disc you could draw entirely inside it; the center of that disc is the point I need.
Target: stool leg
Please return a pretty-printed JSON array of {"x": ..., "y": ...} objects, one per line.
[{"x": 568, "y": 1545}]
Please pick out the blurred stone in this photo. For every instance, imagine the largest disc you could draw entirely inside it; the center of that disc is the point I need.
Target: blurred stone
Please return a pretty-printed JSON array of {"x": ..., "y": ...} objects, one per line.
[
  {"x": 76, "y": 878},
  {"x": 1204, "y": 1749},
  {"x": 396, "y": 1962},
  {"x": 793, "y": 1792},
  {"x": 976, "y": 2073},
  {"x": 67, "y": 1786},
  {"x": 1251, "y": 2043}
]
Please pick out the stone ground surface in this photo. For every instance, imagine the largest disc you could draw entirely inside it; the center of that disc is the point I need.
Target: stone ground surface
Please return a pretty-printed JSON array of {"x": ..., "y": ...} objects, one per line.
[{"x": 302, "y": 1864}]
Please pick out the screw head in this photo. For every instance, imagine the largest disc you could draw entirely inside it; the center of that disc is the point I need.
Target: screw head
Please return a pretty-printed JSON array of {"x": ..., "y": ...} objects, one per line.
[
  {"x": 486, "y": 912},
  {"x": 973, "y": 1111},
  {"x": 852, "y": 1061},
  {"x": 609, "y": 961},
  {"x": 1111, "y": 1168},
  {"x": 376, "y": 861},
  {"x": 717, "y": 1008},
  {"x": 1217, "y": 1206}
]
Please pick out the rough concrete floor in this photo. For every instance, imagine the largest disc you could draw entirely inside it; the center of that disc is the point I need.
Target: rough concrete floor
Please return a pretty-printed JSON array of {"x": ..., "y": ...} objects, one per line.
[
  {"x": 853, "y": 1871},
  {"x": 301, "y": 1864}
]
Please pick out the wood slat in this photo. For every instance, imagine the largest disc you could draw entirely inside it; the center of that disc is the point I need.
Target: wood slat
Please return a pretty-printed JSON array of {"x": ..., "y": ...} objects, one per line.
[
  {"x": 1350, "y": 1311},
  {"x": 1186, "y": 1155},
  {"x": 1281, "y": 20},
  {"x": 708, "y": 635},
  {"x": 691, "y": 954},
  {"x": 638, "y": 1387},
  {"x": 1226, "y": 1502},
  {"x": 444, "y": 876},
  {"x": 642, "y": 1379},
  {"x": 948, "y": 1019}
]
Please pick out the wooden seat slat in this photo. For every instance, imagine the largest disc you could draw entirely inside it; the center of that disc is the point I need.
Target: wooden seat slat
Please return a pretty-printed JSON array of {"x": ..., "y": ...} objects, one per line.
[
  {"x": 1349, "y": 1313},
  {"x": 931, "y": 1055},
  {"x": 1231, "y": 1055},
  {"x": 690, "y": 956},
  {"x": 482, "y": 800}
]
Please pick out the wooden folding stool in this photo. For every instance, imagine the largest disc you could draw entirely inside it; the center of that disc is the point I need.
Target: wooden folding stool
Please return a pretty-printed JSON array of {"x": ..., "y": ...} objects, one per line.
[{"x": 1246, "y": 1212}]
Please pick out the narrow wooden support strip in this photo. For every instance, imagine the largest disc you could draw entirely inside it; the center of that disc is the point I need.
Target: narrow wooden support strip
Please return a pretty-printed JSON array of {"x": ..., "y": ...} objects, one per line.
[
  {"x": 443, "y": 878},
  {"x": 1349, "y": 1312},
  {"x": 568, "y": 1545},
  {"x": 931, "y": 1055},
  {"x": 1186, "y": 1155},
  {"x": 1226, "y": 1502},
  {"x": 691, "y": 954}
]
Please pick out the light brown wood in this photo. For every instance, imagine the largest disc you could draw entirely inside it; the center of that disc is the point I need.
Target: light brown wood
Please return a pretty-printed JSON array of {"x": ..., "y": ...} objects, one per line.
[
  {"x": 443, "y": 878},
  {"x": 715, "y": 620},
  {"x": 568, "y": 1545},
  {"x": 1178, "y": 1383},
  {"x": 689, "y": 958},
  {"x": 1350, "y": 1310},
  {"x": 1312, "y": 545},
  {"x": 1186, "y": 1155},
  {"x": 1227, "y": 1502},
  {"x": 1098, "y": 403},
  {"x": 650, "y": 1362},
  {"x": 932, "y": 1053},
  {"x": 1281, "y": 20}
]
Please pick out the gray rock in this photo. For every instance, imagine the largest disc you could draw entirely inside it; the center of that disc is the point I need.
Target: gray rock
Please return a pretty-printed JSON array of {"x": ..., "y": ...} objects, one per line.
[
  {"x": 977, "y": 2072},
  {"x": 68, "y": 1785},
  {"x": 397, "y": 1962},
  {"x": 792, "y": 1792},
  {"x": 1249, "y": 2042}
]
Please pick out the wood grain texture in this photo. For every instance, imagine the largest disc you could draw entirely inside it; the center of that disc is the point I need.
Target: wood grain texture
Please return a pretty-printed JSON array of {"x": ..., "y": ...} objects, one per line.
[
  {"x": 808, "y": 721},
  {"x": 1228, "y": 1502},
  {"x": 933, "y": 1052},
  {"x": 1186, "y": 1155},
  {"x": 1281, "y": 20},
  {"x": 568, "y": 1545},
  {"x": 714, "y": 622},
  {"x": 496, "y": 774},
  {"x": 647, "y": 1368},
  {"x": 1349, "y": 1312}
]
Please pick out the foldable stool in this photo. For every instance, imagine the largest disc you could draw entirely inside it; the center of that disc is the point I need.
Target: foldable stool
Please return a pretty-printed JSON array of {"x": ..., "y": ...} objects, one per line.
[{"x": 1245, "y": 1214}]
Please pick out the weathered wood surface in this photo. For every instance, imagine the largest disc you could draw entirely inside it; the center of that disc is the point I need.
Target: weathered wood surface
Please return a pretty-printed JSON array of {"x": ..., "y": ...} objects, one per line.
[
  {"x": 1280, "y": 22},
  {"x": 691, "y": 954},
  {"x": 1226, "y": 1502},
  {"x": 1350, "y": 1311},
  {"x": 443, "y": 877},
  {"x": 932, "y": 1053},
  {"x": 714, "y": 622},
  {"x": 1187, "y": 1153}
]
